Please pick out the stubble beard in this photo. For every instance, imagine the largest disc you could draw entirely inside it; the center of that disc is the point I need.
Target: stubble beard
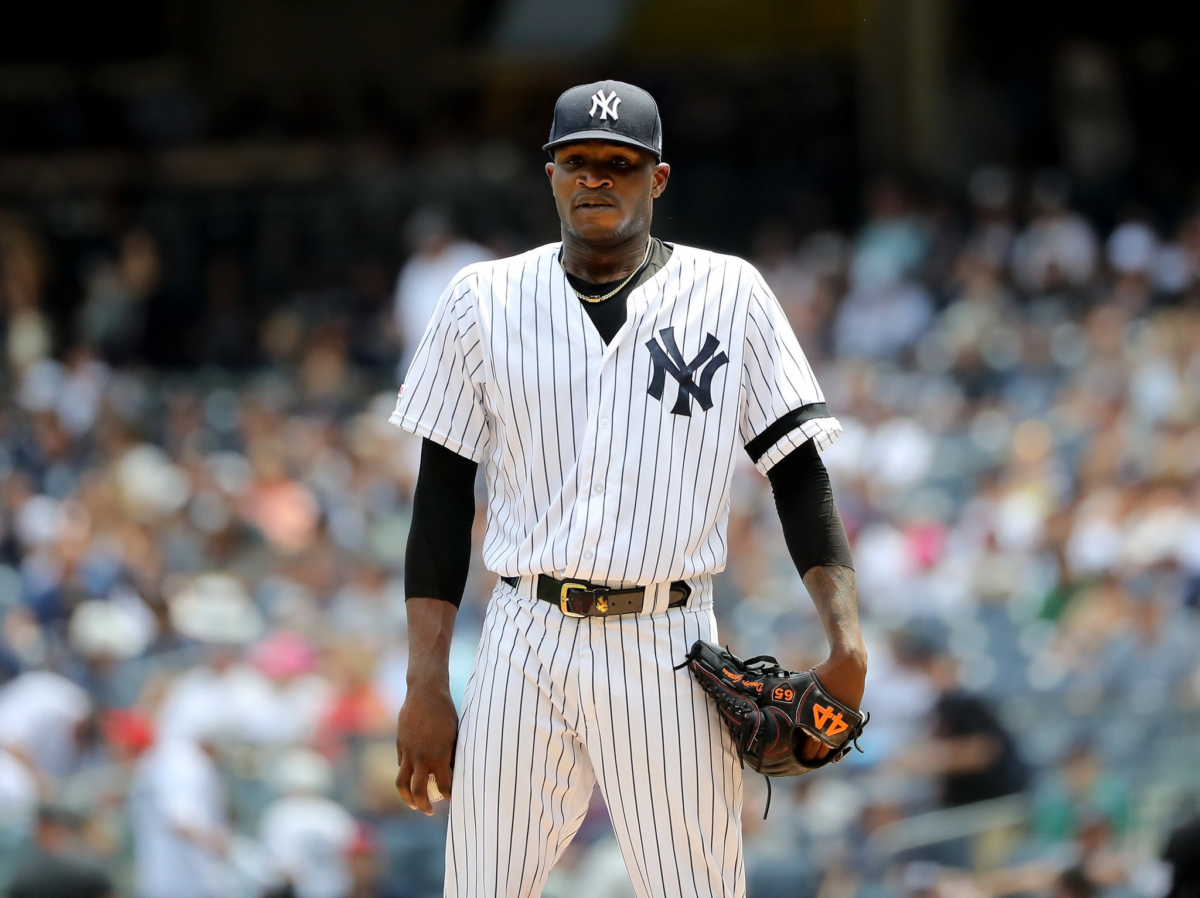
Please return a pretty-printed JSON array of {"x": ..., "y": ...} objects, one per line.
[{"x": 626, "y": 231}]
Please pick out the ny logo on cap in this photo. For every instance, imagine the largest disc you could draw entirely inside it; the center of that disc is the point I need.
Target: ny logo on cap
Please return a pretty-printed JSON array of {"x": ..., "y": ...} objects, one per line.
[{"x": 606, "y": 105}]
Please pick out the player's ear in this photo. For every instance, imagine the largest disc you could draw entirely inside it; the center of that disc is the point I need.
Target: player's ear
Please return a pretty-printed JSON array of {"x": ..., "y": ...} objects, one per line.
[
  {"x": 661, "y": 173},
  {"x": 550, "y": 170}
]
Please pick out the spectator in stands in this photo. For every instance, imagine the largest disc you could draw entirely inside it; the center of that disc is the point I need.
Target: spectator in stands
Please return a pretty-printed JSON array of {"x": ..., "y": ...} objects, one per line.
[
  {"x": 119, "y": 290},
  {"x": 1100, "y": 857},
  {"x": 55, "y": 869},
  {"x": 1145, "y": 663},
  {"x": 1059, "y": 249},
  {"x": 356, "y": 708},
  {"x": 39, "y": 713},
  {"x": 886, "y": 309},
  {"x": 1182, "y": 853},
  {"x": 1093, "y": 863},
  {"x": 437, "y": 255},
  {"x": 1073, "y": 883},
  {"x": 27, "y": 332},
  {"x": 216, "y": 612},
  {"x": 970, "y": 753},
  {"x": 292, "y": 698},
  {"x": 177, "y": 805},
  {"x": 991, "y": 237},
  {"x": 1079, "y": 789},
  {"x": 309, "y": 836},
  {"x": 903, "y": 694}
]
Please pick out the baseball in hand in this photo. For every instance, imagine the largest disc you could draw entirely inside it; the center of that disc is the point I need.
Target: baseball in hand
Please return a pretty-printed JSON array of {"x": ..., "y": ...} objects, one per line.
[{"x": 432, "y": 790}]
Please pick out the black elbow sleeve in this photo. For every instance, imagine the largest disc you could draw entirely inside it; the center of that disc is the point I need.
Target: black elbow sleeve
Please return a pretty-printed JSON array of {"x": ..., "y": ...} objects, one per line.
[
  {"x": 439, "y": 539},
  {"x": 812, "y": 526}
]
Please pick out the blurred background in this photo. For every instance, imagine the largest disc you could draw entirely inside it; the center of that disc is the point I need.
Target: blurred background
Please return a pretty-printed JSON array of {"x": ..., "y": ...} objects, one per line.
[{"x": 223, "y": 226}]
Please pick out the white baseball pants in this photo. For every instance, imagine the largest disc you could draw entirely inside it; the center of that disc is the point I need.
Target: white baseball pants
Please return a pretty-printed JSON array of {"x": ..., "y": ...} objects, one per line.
[{"x": 556, "y": 705}]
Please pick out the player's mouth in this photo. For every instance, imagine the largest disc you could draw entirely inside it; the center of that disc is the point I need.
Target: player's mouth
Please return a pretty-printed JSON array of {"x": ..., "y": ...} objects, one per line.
[{"x": 593, "y": 202}]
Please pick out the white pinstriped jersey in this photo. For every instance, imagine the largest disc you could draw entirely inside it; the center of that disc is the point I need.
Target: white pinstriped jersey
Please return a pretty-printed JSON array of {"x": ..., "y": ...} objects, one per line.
[{"x": 611, "y": 463}]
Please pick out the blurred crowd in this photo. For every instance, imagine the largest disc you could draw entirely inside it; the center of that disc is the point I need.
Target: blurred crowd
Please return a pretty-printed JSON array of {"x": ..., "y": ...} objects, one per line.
[{"x": 202, "y": 632}]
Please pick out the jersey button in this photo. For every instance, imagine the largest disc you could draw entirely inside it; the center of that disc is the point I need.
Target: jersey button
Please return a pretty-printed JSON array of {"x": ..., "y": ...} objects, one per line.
[
  {"x": 587, "y": 556},
  {"x": 604, "y": 422},
  {"x": 598, "y": 489}
]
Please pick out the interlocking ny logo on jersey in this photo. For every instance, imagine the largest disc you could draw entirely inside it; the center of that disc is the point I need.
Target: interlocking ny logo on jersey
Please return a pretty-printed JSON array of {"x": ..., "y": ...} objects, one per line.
[
  {"x": 669, "y": 360},
  {"x": 827, "y": 720},
  {"x": 605, "y": 105}
]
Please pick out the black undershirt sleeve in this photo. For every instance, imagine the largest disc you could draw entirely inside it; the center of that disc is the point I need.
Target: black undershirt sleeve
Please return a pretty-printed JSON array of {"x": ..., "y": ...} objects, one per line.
[
  {"x": 439, "y": 539},
  {"x": 812, "y": 526}
]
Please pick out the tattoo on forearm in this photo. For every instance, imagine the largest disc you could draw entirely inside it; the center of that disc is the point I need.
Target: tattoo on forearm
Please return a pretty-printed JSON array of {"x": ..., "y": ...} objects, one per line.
[{"x": 836, "y": 599}]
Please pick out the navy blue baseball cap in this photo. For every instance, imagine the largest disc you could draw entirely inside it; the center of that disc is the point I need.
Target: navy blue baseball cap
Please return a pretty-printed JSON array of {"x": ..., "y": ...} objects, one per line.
[{"x": 607, "y": 110}]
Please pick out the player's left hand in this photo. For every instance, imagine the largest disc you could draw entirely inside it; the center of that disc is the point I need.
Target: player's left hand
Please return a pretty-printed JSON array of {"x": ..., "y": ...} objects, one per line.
[{"x": 844, "y": 676}]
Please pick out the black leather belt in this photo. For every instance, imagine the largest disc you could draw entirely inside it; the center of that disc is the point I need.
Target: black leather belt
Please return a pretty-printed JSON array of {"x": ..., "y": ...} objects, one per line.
[{"x": 579, "y": 598}]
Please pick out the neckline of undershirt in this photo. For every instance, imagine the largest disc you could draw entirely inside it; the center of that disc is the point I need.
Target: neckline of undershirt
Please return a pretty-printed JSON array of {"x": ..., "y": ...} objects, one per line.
[{"x": 660, "y": 254}]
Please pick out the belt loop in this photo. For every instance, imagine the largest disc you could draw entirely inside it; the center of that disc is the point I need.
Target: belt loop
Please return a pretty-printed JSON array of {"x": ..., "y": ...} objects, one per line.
[
  {"x": 658, "y": 597},
  {"x": 524, "y": 587}
]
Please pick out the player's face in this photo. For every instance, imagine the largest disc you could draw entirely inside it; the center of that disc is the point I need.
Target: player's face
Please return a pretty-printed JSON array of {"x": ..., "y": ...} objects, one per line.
[{"x": 605, "y": 191}]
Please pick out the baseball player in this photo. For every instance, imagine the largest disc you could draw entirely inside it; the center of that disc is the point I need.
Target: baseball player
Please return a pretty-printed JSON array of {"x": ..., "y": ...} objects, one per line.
[{"x": 605, "y": 382}]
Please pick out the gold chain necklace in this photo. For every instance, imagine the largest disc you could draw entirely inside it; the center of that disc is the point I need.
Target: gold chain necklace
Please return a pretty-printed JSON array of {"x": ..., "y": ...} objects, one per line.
[{"x": 619, "y": 287}]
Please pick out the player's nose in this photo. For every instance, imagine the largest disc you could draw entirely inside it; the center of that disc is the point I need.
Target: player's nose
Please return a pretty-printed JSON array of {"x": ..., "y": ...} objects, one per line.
[{"x": 592, "y": 179}]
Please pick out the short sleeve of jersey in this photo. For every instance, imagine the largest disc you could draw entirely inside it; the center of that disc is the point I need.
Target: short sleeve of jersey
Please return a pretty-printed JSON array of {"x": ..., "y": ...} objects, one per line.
[
  {"x": 441, "y": 399},
  {"x": 784, "y": 406}
]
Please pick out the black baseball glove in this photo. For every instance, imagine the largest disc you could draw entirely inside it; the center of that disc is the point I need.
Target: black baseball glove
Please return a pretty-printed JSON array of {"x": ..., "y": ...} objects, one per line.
[{"x": 770, "y": 710}]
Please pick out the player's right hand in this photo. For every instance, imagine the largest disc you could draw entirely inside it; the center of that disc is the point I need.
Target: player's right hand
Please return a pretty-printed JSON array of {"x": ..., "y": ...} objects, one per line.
[{"x": 425, "y": 734}]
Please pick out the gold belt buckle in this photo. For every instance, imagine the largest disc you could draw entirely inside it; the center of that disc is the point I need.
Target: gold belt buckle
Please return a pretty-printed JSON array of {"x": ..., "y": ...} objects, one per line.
[{"x": 563, "y": 599}]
